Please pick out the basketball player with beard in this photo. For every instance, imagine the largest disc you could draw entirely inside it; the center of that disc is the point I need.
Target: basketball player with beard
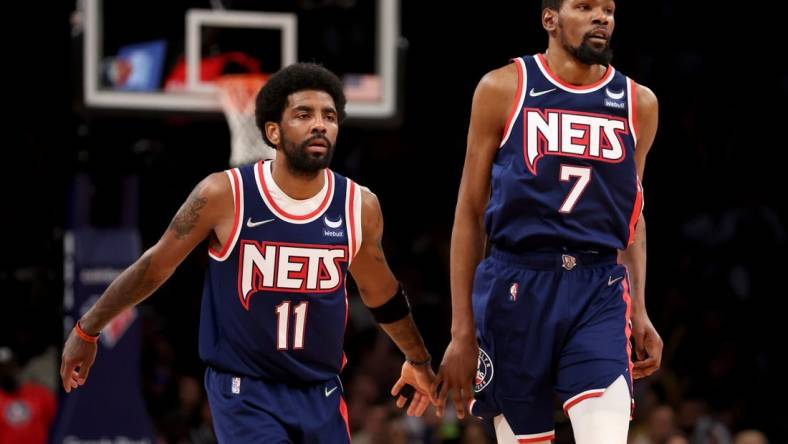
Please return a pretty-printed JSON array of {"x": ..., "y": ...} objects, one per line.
[
  {"x": 555, "y": 155},
  {"x": 282, "y": 236}
]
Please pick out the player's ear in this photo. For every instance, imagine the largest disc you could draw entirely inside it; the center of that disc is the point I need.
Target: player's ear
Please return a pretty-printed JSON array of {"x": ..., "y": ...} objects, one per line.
[
  {"x": 272, "y": 131},
  {"x": 549, "y": 19}
]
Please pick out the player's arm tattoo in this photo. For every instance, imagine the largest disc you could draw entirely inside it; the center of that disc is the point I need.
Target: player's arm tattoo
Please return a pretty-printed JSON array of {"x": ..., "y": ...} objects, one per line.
[
  {"x": 187, "y": 217},
  {"x": 405, "y": 334},
  {"x": 376, "y": 240},
  {"x": 136, "y": 277},
  {"x": 132, "y": 286}
]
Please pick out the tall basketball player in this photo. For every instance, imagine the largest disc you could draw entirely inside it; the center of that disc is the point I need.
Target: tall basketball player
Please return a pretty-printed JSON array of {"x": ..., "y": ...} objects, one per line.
[
  {"x": 283, "y": 235},
  {"x": 557, "y": 146}
]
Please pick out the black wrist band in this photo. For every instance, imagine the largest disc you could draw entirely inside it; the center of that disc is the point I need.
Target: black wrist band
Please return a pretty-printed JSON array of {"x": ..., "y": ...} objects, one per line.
[{"x": 396, "y": 308}]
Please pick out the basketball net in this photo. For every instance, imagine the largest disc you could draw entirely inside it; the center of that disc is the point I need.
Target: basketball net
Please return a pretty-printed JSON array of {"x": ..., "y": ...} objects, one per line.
[{"x": 237, "y": 93}]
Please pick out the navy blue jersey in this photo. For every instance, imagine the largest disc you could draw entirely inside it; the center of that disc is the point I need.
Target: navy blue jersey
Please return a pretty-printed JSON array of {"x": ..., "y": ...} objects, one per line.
[
  {"x": 565, "y": 174},
  {"x": 274, "y": 304}
]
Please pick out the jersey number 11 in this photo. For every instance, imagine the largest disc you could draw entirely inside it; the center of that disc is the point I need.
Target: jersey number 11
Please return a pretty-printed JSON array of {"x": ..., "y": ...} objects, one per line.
[{"x": 283, "y": 324}]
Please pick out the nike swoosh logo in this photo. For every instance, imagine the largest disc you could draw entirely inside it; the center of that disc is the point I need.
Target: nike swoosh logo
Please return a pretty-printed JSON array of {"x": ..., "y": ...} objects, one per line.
[
  {"x": 614, "y": 95},
  {"x": 539, "y": 93},
  {"x": 611, "y": 281},
  {"x": 251, "y": 224},
  {"x": 329, "y": 392},
  {"x": 332, "y": 223}
]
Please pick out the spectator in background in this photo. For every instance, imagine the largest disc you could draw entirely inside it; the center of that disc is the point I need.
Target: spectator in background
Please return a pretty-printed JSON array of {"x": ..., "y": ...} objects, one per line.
[
  {"x": 26, "y": 409},
  {"x": 700, "y": 425},
  {"x": 750, "y": 437},
  {"x": 677, "y": 438},
  {"x": 660, "y": 427}
]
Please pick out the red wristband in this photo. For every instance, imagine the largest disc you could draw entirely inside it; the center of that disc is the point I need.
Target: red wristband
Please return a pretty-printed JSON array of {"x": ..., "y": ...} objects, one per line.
[{"x": 84, "y": 336}]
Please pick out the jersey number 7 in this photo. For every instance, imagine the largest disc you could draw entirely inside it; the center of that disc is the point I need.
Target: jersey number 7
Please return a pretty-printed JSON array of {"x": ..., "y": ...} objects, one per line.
[{"x": 584, "y": 178}]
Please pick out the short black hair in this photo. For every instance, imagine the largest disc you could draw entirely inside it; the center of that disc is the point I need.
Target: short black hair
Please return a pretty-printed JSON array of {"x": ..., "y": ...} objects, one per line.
[
  {"x": 272, "y": 99},
  {"x": 552, "y": 4}
]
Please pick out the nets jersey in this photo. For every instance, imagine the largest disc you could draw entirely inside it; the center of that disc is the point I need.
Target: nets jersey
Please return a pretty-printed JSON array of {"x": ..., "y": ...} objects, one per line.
[
  {"x": 274, "y": 303},
  {"x": 565, "y": 175}
]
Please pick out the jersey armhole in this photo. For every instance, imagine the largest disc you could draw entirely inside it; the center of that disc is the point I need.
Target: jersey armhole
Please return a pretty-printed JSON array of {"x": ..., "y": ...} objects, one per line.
[
  {"x": 519, "y": 99},
  {"x": 236, "y": 184},
  {"x": 632, "y": 108},
  {"x": 353, "y": 216}
]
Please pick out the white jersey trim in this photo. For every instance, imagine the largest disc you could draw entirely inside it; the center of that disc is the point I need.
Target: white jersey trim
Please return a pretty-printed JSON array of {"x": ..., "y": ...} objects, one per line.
[
  {"x": 632, "y": 109},
  {"x": 353, "y": 218},
  {"x": 609, "y": 75},
  {"x": 238, "y": 197},
  {"x": 522, "y": 83},
  {"x": 357, "y": 212},
  {"x": 285, "y": 207}
]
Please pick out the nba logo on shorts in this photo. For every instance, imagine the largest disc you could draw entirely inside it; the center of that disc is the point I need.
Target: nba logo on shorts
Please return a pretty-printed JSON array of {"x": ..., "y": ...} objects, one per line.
[
  {"x": 513, "y": 291},
  {"x": 484, "y": 372},
  {"x": 236, "y": 388}
]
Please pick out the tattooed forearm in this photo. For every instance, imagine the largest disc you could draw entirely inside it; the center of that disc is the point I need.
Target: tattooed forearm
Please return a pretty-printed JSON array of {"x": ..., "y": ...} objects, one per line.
[
  {"x": 187, "y": 217},
  {"x": 405, "y": 334},
  {"x": 132, "y": 286},
  {"x": 135, "y": 282}
]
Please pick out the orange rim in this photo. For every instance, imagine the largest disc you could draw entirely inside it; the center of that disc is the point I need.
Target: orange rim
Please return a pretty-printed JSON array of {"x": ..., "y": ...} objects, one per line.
[{"x": 238, "y": 91}]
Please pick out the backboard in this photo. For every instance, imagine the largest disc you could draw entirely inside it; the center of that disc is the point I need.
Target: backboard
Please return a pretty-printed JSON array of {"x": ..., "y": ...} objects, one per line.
[{"x": 356, "y": 39}]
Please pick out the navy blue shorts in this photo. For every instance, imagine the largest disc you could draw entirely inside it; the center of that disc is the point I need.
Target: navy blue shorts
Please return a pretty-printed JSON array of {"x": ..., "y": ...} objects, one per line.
[
  {"x": 247, "y": 410},
  {"x": 547, "y": 324}
]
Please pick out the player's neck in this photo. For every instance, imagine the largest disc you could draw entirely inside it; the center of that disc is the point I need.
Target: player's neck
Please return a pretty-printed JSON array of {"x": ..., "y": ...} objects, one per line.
[
  {"x": 297, "y": 186},
  {"x": 571, "y": 70}
]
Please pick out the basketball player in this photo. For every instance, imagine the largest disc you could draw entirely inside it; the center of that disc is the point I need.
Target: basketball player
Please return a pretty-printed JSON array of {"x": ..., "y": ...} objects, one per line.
[
  {"x": 556, "y": 150},
  {"x": 283, "y": 235}
]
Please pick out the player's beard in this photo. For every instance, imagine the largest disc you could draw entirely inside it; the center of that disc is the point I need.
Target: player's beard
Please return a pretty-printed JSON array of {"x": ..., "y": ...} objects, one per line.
[
  {"x": 585, "y": 53},
  {"x": 303, "y": 163}
]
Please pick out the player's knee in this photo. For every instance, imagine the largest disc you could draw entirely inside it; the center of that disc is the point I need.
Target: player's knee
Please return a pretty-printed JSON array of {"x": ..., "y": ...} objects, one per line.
[
  {"x": 504, "y": 433},
  {"x": 603, "y": 419}
]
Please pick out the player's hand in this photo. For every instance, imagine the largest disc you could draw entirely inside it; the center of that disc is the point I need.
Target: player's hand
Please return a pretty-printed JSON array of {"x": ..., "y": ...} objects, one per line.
[
  {"x": 77, "y": 354},
  {"x": 648, "y": 347},
  {"x": 415, "y": 380},
  {"x": 457, "y": 373}
]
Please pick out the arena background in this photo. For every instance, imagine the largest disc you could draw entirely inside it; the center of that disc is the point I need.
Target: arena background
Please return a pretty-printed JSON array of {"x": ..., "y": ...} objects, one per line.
[{"x": 714, "y": 189}]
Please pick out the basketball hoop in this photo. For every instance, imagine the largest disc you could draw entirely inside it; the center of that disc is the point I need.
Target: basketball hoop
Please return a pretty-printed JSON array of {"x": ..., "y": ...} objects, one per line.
[{"x": 237, "y": 93}]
